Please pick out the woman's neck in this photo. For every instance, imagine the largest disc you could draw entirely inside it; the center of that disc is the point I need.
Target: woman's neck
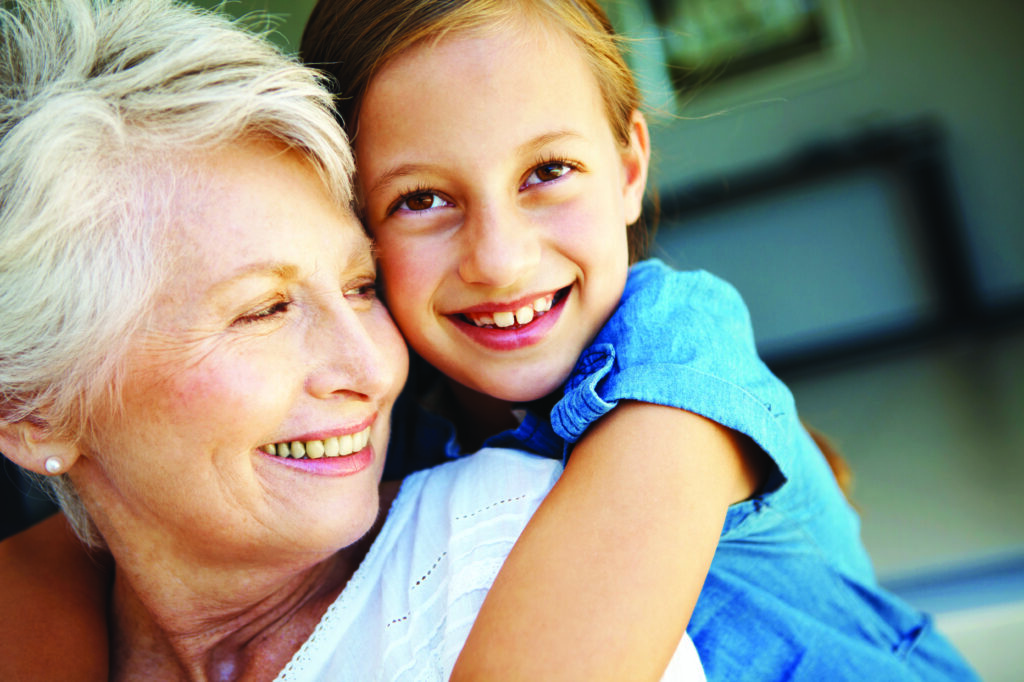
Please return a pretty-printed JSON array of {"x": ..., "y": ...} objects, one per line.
[
  {"x": 222, "y": 624},
  {"x": 224, "y": 627}
]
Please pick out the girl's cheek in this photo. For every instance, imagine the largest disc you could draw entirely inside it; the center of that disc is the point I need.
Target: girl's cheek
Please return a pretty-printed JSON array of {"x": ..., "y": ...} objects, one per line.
[{"x": 406, "y": 263}]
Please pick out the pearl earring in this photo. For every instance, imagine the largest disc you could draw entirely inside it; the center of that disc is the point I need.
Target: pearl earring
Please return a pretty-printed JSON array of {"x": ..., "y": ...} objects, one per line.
[{"x": 53, "y": 465}]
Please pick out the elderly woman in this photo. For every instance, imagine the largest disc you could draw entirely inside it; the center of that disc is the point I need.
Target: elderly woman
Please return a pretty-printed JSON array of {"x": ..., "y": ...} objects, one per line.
[{"x": 193, "y": 359}]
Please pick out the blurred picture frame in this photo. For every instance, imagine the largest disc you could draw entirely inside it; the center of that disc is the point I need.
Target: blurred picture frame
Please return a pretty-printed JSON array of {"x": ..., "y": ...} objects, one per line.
[
  {"x": 851, "y": 246},
  {"x": 728, "y": 52},
  {"x": 707, "y": 41}
]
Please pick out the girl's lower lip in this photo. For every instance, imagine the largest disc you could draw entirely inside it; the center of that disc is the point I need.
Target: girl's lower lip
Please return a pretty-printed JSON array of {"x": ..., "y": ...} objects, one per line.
[
  {"x": 512, "y": 338},
  {"x": 328, "y": 466}
]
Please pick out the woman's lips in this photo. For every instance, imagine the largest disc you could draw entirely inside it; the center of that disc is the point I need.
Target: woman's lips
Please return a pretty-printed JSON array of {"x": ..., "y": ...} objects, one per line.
[
  {"x": 333, "y": 453},
  {"x": 335, "y": 446},
  {"x": 347, "y": 465}
]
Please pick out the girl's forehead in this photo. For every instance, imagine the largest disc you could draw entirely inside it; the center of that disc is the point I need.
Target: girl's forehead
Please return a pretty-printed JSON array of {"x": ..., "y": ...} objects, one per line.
[
  {"x": 526, "y": 30},
  {"x": 508, "y": 44},
  {"x": 454, "y": 82}
]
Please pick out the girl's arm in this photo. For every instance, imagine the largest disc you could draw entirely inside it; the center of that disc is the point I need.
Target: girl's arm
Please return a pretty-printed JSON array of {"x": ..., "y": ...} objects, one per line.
[
  {"x": 53, "y": 606},
  {"x": 602, "y": 582}
]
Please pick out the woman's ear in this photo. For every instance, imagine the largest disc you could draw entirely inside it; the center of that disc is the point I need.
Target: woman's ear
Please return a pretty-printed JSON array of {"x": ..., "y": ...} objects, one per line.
[
  {"x": 635, "y": 162},
  {"x": 30, "y": 446}
]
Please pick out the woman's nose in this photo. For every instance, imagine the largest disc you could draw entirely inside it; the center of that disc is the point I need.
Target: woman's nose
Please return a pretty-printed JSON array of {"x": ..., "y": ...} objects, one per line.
[
  {"x": 500, "y": 247},
  {"x": 348, "y": 357}
]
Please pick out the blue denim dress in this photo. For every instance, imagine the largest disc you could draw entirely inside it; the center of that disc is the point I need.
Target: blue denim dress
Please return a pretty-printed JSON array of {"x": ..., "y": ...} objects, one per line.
[{"x": 791, "y": 594}]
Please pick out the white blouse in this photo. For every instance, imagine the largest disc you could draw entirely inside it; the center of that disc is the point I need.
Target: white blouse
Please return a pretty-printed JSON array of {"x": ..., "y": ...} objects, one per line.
[{"x": 408, "y": 609}]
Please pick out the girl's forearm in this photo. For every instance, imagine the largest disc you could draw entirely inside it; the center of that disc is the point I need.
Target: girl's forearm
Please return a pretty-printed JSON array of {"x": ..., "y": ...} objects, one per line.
[{"x": 603, "y": 580}]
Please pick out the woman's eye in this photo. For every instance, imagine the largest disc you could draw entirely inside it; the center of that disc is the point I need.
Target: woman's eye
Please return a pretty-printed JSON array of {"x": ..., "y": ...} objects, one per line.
[
  {"x": 546, "y": 172},
  {"x": 270, "y": 311},
  {"x": 420, "y": 201},
  {"x": 364, "y": 290}
]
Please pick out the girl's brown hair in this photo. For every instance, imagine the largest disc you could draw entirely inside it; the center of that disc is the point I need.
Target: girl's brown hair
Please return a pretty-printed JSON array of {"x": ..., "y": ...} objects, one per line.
[{"x": 353, "y": 39}]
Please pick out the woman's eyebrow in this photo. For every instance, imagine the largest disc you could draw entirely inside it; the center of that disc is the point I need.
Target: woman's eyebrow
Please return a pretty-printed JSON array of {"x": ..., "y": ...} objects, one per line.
[
  {"x": 272, "y": 269},
  {"x": 361, "y": 255},
  {"x": 366, "y": 258}
]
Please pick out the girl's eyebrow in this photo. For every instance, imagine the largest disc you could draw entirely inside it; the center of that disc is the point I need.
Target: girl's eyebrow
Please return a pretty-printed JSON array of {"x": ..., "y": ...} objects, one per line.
[
  {"x": 399, "y": 172},
  {"x": 535, "y": 144},
  {"x": 531, "y": 146}
]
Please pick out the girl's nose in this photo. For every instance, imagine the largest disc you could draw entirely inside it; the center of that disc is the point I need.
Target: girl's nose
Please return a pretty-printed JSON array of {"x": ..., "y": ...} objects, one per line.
[{"x": 500, "y": 247}]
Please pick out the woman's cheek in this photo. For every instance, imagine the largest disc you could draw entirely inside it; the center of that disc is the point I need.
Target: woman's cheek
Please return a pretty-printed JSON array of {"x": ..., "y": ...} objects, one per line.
[
  {"x": 390, "y": 346},
  {"x": 225, "y": 384}
]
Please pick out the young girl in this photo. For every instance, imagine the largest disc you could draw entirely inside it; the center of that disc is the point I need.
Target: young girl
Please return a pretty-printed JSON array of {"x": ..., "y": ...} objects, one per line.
[{"x": 501, "y": 155}]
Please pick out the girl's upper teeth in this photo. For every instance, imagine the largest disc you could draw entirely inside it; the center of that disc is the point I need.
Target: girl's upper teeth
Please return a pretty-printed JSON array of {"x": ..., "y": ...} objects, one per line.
[
  {"x": 507, "y": 318},
  {"x": 335, "y": 446},
  {"x": 504, "y": 319}
]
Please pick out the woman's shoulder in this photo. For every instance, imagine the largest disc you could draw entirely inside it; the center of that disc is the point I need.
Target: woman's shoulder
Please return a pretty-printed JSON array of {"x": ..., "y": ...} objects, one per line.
[
  {"x": 446, "y": 536},
  {"x": 487, "y": 480},
  {"x": 50, "y": 584},
  {"x": 438, "y": 511}
]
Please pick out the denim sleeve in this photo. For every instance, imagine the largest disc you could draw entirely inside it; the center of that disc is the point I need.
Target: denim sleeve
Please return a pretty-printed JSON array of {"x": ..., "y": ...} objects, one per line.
[{"x": 681, "y": 339}]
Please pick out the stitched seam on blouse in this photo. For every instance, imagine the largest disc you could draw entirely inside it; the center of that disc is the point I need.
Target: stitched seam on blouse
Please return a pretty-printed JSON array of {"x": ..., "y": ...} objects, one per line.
[
  {"x": 396, "y": 621},
  {"x": 422, "y": 579},
  {"x": 507, "y": 500},
  {"x": 440, "y": 558},
  {"x": 426, "y": 575}
]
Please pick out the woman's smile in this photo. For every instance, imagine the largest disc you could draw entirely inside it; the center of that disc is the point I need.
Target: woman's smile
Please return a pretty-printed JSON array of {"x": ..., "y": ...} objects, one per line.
[
  {"x": 342, "y": 455},
  {"x": 331, "y": 446}
]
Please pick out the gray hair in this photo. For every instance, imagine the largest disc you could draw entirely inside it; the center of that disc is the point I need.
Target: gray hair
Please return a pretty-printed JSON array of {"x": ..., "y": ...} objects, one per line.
[{"x": 98, "y": 98}]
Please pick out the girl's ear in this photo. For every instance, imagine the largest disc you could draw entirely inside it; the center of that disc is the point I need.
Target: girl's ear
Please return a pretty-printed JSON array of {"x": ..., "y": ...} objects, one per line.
[
  {"x": 29, "y": 446},
  {"x": 635, "y": 161}
]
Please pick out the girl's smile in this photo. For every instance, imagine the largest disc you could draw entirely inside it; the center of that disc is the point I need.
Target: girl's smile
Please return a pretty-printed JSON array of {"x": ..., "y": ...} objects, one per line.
[
  {"x": 499, "y": 198},
  {"x": 509, "y": 328}
]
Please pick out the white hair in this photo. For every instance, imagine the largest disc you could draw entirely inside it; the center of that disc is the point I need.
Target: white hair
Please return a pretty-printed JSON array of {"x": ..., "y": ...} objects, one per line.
[{"x": 97, "y": 99}]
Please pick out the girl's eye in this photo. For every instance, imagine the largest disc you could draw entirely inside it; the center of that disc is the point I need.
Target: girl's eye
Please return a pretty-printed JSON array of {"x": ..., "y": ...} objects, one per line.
[
  {"x": 269, "y": 312},
  {"x": 420, "y": 201},
  {"x": 546, "y": 172}
]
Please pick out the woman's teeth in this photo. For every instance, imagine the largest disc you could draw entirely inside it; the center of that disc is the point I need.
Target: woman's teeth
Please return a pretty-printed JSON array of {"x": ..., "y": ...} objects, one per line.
[
  {"x": 315, "y": 449},
  {"x": 507, "y": 318}
]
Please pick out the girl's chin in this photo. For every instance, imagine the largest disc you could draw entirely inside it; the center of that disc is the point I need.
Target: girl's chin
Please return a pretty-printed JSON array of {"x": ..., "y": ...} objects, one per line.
[{"x": 523, "y": 387}]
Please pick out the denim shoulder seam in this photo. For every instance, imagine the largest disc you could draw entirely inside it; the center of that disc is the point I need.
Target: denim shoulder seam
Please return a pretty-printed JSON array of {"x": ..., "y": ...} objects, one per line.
[{"x": 764, "y": 405}]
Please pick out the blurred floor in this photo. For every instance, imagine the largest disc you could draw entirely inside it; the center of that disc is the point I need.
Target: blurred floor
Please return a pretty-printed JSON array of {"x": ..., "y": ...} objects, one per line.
[{"x": 935, "y": 437}]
